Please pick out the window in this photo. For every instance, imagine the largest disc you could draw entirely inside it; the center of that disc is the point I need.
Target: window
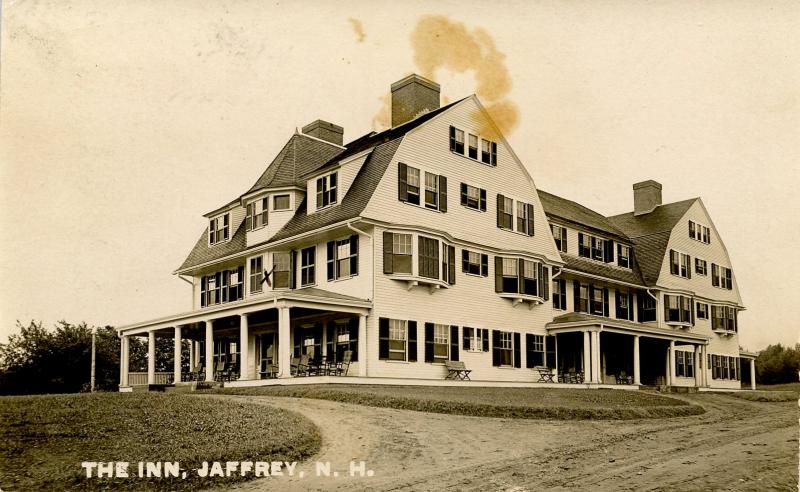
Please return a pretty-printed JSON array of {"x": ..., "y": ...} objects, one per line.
[
  {"x": 595, "y": 248},
  {"x": 599, "y": 300},
  {"x": 647, "y": 307},
  {"x": 219, "y": 229},
  {"x": 281, "y": 202},
  {"x": 702, "y": 310},
  {"x": 488, "y": 152},
  {"x": 624, "y": 305},
  {"x": 510, "y": 275},
  {"x": 326, "y": 190},
  {"x": 256, "y": 274},
  {"x": 718, "y": 318},
  {"x": 522, "y": 217},
  {"x": 257, "y": 214},
  {"x": 679, "y": 264},
  {"x": 560, "y": 294},
  {"x": 308, "y": 260},
  {"x": 725, "y": 367},
  {"x": 457, "y": 140},
  {"x": 431, "y": 191},
  {"x": 474, "y": 263},
  {"x": 342, "y": 258},
  {"x": 221, "y": 287},
  {"x": 623, "y": 256},
  {"x": 560, "y": 235},
  {"x": 700, "y": 267},
  {"x": 530, "y": 278},
  {"x": 583, "y": 298},
  {"x": 473, "y": 146},
  {"x": 397, "y": 339},
  {"x": 441, "y": 343},
  {"x": 401, "y": 253},
  {"x": 721, "y": 277},
  {"x": 476, "y": 339},
  {"x": 449, "y": 264},
  {"x": 535, "y": 350},
  {"x": 730, "y": 319},
  {"x": 505, "y": 212},
  {"x": 428, "y": 257},
  {"x": 413, "y": 185},
  {"x": 473, "y": 197},
  {"x": 684, "y": 364},
  {"x": 281, "y": 270},
  {"x": 677, "y": 309},
  {"x": 505, "y": 348},
  {"x": 699, "y": 232}
]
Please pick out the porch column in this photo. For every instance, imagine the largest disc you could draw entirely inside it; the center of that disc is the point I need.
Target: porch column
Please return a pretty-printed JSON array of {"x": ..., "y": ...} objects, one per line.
[
  {"x": 704, "y": 362},
  {"x": 555, "y": 343},
  {"x": 244, "y": 338},
  {"x": 178, "y": 346},
  {"x": 637, "y": 377},
  {"x": 596, "y": 376},
  {"x": 151, "y": 357},
  {"x": 752, "y": 374},
  {"x": 587, "y": 358},
  {"x": 671, "y": 374},
  {"x": 362, "y": 346},
  {"x": 209, "y": 365},
  {"x": 284, "y": 345},
  {"x": 698, "y": 379},
  {"x": 123, "y": 360}
]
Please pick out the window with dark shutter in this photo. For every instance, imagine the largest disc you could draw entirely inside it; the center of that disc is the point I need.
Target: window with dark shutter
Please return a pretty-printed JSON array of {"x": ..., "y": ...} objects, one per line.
[
  {"x": 715, "y": 275},
  {"x": 412, "y": 341},
  {"x": 428, "y": 342},
  {"x": 505, "y": 212},
  {"x": 453, "y": 342},
  {"x": 473, "y": 197},
  {"x": 330, "y": 264},
  {"x": 550, "y": 351},
  {"x": 517, "y": 349},
  {"x": 442, "y": 193},
  {"x": 530, "y": 220},
  {"x": 583, "y": 246},
  {"x": 428, "y": 253},
  {"x": 402, "y": 182},
  {"x": 534, "y": 350},
  {"x": 608, "y": 253},
  {"x": 473, "y": 146},
  {"x": 388, "y": 249}
]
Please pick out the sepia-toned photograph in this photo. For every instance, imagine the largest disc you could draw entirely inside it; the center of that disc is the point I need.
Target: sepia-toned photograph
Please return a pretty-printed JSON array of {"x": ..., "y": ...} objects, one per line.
[{"x": 372, "y": 245}]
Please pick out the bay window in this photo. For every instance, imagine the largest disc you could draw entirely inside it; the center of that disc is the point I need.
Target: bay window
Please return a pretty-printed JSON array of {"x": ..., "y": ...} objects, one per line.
[{"x": 677, "y": 309}]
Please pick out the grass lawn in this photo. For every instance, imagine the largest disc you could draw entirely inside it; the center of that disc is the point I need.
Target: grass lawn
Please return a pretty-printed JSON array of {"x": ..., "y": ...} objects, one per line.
[
  {"x": 770, "y": 393},
  {"x": 779, "y": 387},
  {"x": 44, "y": 439},
  {"x": 531, "y": 403}
]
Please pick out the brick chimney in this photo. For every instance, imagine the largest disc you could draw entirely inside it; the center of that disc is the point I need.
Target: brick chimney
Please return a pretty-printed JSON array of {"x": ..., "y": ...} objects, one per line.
[
  {"x": 413, "y": 96},
  {"x": 325, "y": 131},
  {"x": 646, "y": 197}
]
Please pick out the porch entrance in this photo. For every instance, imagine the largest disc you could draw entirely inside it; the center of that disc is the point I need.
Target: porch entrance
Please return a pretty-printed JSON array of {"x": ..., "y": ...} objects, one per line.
[{"x": 654, "y": 356}]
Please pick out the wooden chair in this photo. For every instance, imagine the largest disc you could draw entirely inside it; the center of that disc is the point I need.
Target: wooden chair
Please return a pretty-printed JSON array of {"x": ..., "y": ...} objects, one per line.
[
  {"x": 623, "y": 378},
  {"x": 299, "y": 367},
  {"x": 545, "y": 374},
  {"x": 457, "y": 370},
  {"x": 268, "y": 371},
  {"x": 340, "y": 368}
]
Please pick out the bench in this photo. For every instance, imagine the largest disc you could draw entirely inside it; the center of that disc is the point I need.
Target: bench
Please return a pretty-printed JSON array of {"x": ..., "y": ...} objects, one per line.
[
  {"x": 457, "y": 370},
  {"x": 545, "y": 374}
]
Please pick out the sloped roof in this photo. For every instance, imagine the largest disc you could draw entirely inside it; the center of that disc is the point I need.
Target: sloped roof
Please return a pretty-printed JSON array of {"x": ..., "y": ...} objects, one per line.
[
  {"x": 662, "y": 219},
  {"x": 605, "y": 270},
  {"x": 353, "y": 202},
  {"x": 372, "y": 139},
  {"x": 561, "y": 208},
  {"x": 203, "y": 253},
  {"x": 300, "y": 155},
  {"x": 650, "y": 233}
]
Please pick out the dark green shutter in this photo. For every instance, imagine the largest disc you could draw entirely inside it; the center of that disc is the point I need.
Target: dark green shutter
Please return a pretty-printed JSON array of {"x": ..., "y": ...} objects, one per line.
[
  {"x": 530, "y": 219},
  {"x": 576, "y": 294},
  {"x": 331, "y": 260},
  {"x": 483, "y": 200},
  {"x": 451, "y": 257},
  {"x": 442, "y": 193},
  {"x": 354, "y": 254},
  {"x": 249, "y": 220},
  {"x": 453, "y": 342},
  {"x": 605, "y": 302},
  {"x": 388, "y": 265},
  {"x": 383, "y": 338},
  {"x": 464, "y": 260},
  {"x": 412, "y": 341},
  {"x": 520, "y": 275},
  {"x": 485, "y": 338},
  {"x": 546, "y": 282},
  {"x": 688, "y": 266},
  {"x": 463, "y": 194},
  {"x": 452, "y": 138},
  {"x": 529, "y": 351},
  {"x": 466, "y": 334},
  {"x": 495, "y": 348},
  {"x": 293, "y": 269},
  {"x": 428, "y": 342},
  {"x": 402, "y": 182},
  {"x": 499, "y": 210},
  {"x": 517, "y": 343},
  {"x": 609, "y": 250},
  {"x": 498, "y": 274},
  {"x": 550, "y": 351}
]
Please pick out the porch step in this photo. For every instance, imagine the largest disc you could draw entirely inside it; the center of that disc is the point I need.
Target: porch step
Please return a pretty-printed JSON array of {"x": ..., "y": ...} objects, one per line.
[
  {"x": 189, "y": 387},
  {"x": 669, "y": 389}
]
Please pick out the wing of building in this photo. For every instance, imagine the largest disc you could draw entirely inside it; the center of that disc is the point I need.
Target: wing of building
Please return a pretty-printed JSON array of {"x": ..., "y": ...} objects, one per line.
[{"x": 426, "y": 253}]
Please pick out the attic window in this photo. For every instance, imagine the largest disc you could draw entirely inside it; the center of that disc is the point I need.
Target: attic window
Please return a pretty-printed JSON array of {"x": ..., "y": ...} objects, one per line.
[
  {"x": 219, "y": 229},
  {"x": 281, "y": 202},
  {"x": 326, "y": 190}
]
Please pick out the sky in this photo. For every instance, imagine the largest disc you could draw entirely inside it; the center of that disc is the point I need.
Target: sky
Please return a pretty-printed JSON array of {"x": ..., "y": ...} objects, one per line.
[{"x": 122, "y": 123}]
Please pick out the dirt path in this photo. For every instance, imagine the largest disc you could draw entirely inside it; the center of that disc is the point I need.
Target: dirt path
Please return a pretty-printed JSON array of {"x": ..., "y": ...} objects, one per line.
[{"x": 736, "y": 444}]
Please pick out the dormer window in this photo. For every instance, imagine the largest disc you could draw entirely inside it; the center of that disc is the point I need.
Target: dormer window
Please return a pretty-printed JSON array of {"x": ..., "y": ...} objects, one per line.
[
  {"x": 281, "y": 202},
  {"x": 326, "y": 190},
  {"x": 623, "y": 256},
  {"x": 257, "y": 214},
  {"x": 219, "y": 229}
]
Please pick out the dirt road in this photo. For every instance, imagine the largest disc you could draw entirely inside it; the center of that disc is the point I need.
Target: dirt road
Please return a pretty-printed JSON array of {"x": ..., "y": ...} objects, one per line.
[{"x": 735, "y": 445}]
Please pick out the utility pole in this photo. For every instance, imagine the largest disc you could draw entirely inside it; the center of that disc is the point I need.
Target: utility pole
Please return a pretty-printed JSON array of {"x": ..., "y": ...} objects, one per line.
[{"x": 94, "y": 335}]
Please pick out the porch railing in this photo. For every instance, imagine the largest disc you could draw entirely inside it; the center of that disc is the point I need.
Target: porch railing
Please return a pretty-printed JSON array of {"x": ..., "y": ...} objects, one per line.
[{"x": 140, "y": 378}]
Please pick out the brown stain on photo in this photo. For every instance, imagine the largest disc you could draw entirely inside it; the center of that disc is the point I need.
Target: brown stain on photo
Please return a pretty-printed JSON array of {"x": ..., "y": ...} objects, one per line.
[
  {"x": 441, "y": 44},
  {"x": 358, "y": 29}
]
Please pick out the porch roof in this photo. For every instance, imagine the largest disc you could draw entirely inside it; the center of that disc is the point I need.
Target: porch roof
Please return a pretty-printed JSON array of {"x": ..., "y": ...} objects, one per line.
[
  {"x": 308, "y": 297},
  {"x": 571, "y": 322}
]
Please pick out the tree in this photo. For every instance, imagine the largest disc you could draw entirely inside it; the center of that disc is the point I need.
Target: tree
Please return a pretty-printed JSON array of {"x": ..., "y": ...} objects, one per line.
[{"x": 778, "y": 364}]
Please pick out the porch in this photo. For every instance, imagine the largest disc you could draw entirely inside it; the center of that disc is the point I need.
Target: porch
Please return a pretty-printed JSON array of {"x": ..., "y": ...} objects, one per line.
[
  {"x": 293, "y": 333},
  {"x": 602, "y": 351}
]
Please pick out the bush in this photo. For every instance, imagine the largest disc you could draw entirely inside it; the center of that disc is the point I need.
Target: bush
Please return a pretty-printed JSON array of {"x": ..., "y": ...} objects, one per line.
[{"x": 777, "y": 364}]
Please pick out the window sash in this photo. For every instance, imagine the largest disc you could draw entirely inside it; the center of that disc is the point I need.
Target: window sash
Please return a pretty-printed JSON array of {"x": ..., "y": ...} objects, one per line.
[
  {"x": 256, "y": 274},
  {"x": 507, "y": 213},
  {"x": 431, "y": 190},
  {"x": 398, "y": 339},
  {"x": 308, "y": 266},
  {"x": 473, "y": 146},
  {"x": 281, "y": 202}
]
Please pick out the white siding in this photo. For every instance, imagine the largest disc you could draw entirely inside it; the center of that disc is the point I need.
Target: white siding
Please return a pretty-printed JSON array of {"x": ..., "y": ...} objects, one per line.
[{"x": 276, "y": 219}]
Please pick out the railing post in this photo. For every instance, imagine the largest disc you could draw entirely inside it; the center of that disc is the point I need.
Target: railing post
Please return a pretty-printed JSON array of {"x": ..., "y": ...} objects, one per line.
[
  {"x": 362, "y": 345},
  {"x": 209, "y": 364}
]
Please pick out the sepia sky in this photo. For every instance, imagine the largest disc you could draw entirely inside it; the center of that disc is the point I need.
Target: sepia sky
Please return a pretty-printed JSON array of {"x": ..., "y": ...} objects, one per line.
[{"x": 122, "y": 122}]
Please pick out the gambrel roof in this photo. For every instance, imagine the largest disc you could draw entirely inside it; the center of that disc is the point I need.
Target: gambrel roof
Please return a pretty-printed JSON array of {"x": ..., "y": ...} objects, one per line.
[{"x": 575, "y": 213}]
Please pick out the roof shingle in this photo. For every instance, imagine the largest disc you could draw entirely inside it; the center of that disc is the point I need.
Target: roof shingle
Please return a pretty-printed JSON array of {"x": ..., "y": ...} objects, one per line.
[{"x": 561, "y": 208}]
